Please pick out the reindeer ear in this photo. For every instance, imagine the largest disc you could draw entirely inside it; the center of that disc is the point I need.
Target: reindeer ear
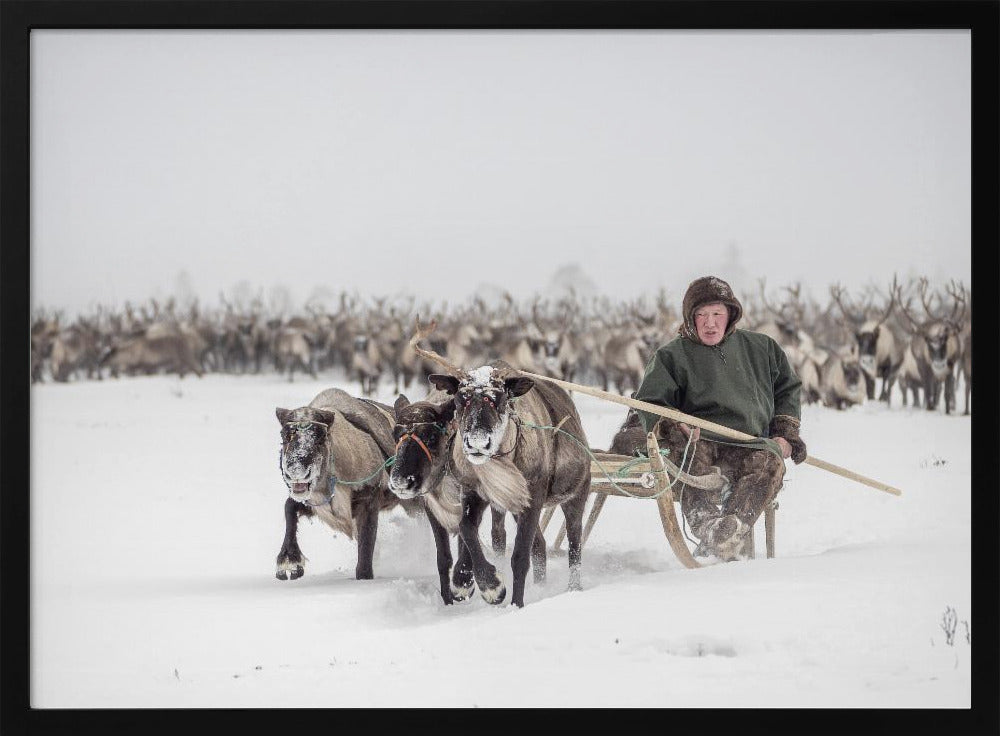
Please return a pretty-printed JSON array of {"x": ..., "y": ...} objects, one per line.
[
  {"x": 518, "y": 386},
  {"x": 446, "y": 411},
  {"x": 448, "y": 384},
  {"x": 284, "y": 415},
  {"x": 401, "y": 403},
  {"x": 327, "y": 417}
]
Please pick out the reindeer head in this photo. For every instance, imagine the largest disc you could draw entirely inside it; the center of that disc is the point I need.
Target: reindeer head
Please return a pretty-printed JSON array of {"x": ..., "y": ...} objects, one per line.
[
  {"x": 305, "y": 453},
  {"x": 852, "y": 376},
  {"x": 423, "y": 434},
  {"x": 483, "y": 407},
  {"x": 482, "y": 398}
]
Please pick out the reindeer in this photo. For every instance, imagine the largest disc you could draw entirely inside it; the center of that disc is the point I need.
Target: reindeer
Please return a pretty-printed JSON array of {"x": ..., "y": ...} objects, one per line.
[
  {"x": 934, "y": 349},
  {"x": 785, "y": 328},
  {"x": 168, "y": 351},
  {"x": 366, "y": 363},
  {"x": 967, "y": 363},
  {"x": 424, "y": 435},
  {"x": 878, "y": 354},
  {"x": 626, "y": 349},
  {"x": 409, "y": 364},
  {"x": 291, "y": 347},
  {"x": 494, "y": 462},
  {"x": 43, "y": 333},
  {"x": 333, "y": 453},
  {"x": 959, "y": 294},
  {"x": 625, "y": 356},
  {"x": 75, "y": 349},
  {"x": 842, "y": 382}
]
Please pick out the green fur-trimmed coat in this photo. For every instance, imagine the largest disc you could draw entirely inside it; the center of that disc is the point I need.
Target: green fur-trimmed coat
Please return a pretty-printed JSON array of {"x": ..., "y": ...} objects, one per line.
[{"x": 745, "y": 383}]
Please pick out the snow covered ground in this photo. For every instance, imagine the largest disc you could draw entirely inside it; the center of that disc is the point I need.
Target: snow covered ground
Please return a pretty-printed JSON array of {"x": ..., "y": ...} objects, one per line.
[{"x": 156, "y": 511}]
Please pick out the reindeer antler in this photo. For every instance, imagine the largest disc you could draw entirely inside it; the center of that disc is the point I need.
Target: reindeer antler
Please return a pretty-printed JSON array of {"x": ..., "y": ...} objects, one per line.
[
  {"x": 912, "y": 326},
  {"x": 958, "y": 293},
  {"x": 837, "y": 292},
  {"x": 779, "y": 314},
  {"x": 421, "y": 333},
  {"x": 893, "y": 288},
  {"x": 922, "y": 289}
]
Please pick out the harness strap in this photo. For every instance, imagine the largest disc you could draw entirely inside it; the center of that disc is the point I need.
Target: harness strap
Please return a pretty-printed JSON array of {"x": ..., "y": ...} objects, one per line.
[{"x": 412, "y": 436}]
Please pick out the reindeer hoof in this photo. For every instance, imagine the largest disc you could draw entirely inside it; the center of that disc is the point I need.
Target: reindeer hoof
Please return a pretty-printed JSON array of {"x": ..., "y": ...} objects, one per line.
[
  {"x": 495, "y": 594},
  {"x": 575, "y": 579},
  {"x": 289, "y": 572},
  {"x": 461, "y": 593}
]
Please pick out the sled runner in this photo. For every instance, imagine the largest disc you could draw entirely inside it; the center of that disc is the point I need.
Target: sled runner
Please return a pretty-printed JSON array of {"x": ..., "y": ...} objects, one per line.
[{"x": 652, "y": 478}]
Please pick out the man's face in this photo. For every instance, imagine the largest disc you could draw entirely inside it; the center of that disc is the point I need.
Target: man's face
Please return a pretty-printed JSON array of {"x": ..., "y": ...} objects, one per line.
[{"x": 710, "y": 320}]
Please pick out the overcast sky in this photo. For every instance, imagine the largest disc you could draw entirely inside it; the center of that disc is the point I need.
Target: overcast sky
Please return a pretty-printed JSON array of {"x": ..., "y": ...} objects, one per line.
[{"x": 436, "y": 162}]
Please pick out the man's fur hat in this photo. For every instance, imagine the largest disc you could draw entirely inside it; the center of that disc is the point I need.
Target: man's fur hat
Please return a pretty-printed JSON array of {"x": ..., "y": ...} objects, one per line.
[{"x": 705, "y": 290}]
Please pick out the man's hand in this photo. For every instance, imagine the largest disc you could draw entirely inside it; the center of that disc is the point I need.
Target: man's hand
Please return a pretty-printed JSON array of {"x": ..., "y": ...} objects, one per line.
[{"x": 786, "y": 449}]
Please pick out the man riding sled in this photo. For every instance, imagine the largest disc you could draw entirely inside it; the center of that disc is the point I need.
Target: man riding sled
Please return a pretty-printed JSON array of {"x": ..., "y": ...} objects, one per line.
[{"x": 735, "y": 378}]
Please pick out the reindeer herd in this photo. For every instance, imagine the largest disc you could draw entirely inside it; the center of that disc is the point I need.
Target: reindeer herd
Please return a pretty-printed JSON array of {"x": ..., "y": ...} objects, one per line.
[
  {"x": 485, "y": 435},
  {"x": 910, "y": 339}
]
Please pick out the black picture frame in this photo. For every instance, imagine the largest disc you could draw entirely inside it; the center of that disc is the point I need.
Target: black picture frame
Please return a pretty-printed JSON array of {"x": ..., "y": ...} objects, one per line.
[{"x": 18, "y": 18}]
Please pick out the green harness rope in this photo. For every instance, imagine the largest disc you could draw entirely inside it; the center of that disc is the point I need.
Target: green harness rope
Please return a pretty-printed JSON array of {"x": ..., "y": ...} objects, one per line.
[
  {"x": 334, "y": 479},
  {"x": 622, "y": 471}
]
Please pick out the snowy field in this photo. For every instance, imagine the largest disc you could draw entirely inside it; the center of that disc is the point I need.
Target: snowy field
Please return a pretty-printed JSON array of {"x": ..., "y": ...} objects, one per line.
[{"x": 156, "y": 511}]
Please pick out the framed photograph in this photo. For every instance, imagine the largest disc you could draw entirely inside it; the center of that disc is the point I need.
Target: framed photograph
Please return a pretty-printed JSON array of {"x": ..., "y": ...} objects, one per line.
[{"x": 217, "y": 216}]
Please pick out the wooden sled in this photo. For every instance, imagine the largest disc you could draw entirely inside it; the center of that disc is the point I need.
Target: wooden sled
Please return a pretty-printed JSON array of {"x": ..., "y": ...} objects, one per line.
[{"x": 645, "y": 479}]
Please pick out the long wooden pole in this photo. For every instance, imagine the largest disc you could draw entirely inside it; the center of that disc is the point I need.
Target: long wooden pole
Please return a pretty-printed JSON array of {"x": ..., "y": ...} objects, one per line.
[{"x": 719, "y": 429}]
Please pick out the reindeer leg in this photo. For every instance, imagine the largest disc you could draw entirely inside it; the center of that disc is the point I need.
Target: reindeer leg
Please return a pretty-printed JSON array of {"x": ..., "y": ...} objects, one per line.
[
  {"x": 462, "y": 580},
  {"x": 527, "y": 526},
  {"x": 538, "y": 556},
  {"x": 488, "y": 580},
  {"x": 499, "y": 533},
  {"x": 887, "y": 381},
  {"x": 290, "y": 562},
  {"x": 367, "y": 523},
  {"x": 444, "y": 559},
  {"x": 573, "y": 512}
]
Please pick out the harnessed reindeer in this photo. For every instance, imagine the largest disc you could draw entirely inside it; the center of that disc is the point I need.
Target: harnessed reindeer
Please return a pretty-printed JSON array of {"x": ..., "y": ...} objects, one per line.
[
  {"x": 494, "y": 463},
  {"x": 328, "y": 448}
]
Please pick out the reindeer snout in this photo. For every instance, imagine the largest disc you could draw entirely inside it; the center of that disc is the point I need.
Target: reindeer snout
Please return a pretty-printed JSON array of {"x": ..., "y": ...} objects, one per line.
[
  {"x": 477, "y": 442},
  {"x": 403, "y": 486},
  {"x": 402, "y": 482}
]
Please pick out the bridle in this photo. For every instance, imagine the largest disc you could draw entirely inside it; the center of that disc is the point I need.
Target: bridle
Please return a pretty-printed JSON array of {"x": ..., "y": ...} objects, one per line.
[
  {"x": 300, "y": 424},
  {"x": 511, "y": 412},
  {"x": 411, "y": 435}
]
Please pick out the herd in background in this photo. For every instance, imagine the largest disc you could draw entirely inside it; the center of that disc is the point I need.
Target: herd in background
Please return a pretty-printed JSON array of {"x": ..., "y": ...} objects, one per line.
[{"x": 911, "y": 337}]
